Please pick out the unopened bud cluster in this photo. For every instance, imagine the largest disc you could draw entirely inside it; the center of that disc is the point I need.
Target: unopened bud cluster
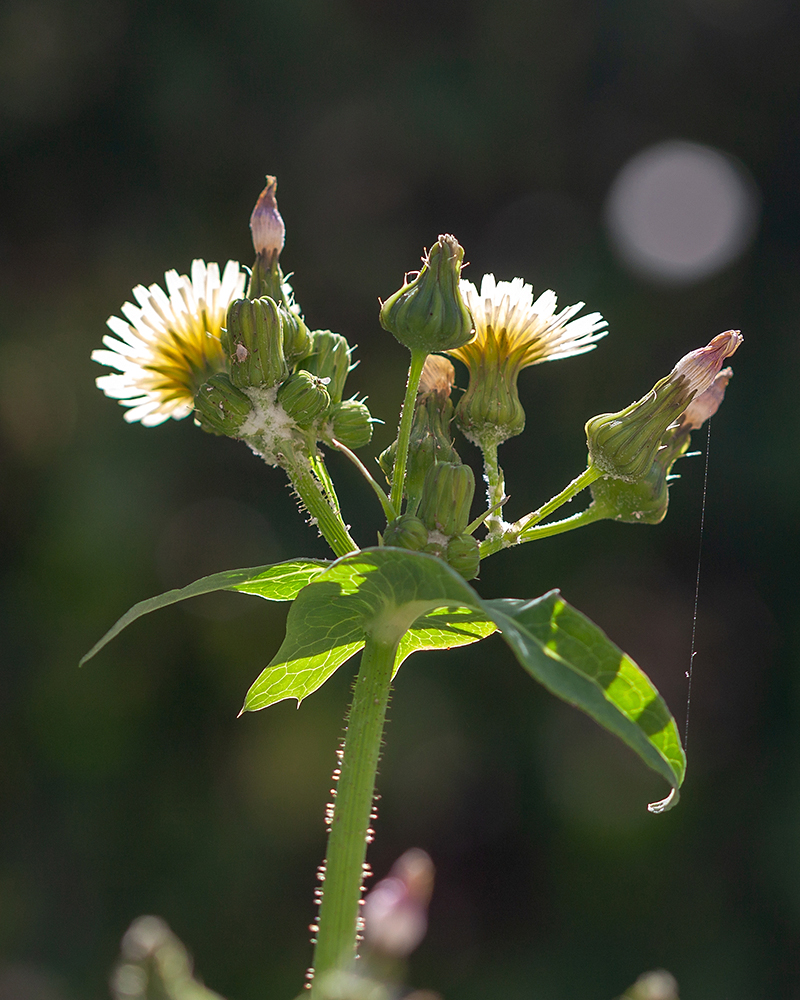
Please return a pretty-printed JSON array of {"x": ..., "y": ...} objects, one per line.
[
  {"x": 439, "y": 487},
  {"x": 280, "y": 378}
]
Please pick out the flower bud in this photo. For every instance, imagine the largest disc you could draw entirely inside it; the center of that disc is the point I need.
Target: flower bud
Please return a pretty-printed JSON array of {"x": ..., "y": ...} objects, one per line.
[
  {"x": 447, "y": 498},
  {"x": 406, "y": 532},
  {"x": 304, "y": 398},
  {"x": 646, "y": 500},
  {"x": 463, "y": 554},
  {"x": 296, "y": 338},
  {"x": 221, "y": 408},
  {"x": 269, "y": 233},
  {"x": 428, "y": 312},
  {"x": 642, "y": 502},
  {"x": 253, "y": 341},
  {"x": 266, "y": 224},
  {"x": 329, "y": 358},
  {"x": 490, "y": 412},
  {"x": 624, "y": 444},
  {"x": 351, "y": 423},
  {"x": 396, "y": 910}
]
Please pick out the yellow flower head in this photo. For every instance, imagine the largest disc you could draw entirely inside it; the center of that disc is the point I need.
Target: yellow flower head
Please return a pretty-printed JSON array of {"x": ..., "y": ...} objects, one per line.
[
  {"x": 512, "y": 331},
  {"x": 515, "y": 331},
  {"x": 169, "y": 345}
]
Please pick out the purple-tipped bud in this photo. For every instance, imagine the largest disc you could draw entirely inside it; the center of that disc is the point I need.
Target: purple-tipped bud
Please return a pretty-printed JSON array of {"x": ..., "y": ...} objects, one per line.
[
  {"x": 624, "y": 444},
  {"x": 266, "y": 224},
  {"x": 396, "y": 910},
  {"x": 704, "y": 406}
]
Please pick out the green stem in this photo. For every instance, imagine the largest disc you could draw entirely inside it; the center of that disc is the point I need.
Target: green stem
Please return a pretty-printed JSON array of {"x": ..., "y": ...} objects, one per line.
[
  {"x": 496, "y": 486},
  {"x": 586, "y": 478},
  {"x": 386, "y": 503},
  {"x": 338, "y": 923},
  {"x": 322, "y": 474},
  {"x": 418, "y": 356},
  {"x": 521, "y": 531},
  {"x": 588, "y": 516},
  {"x": 329, "y": 521}
]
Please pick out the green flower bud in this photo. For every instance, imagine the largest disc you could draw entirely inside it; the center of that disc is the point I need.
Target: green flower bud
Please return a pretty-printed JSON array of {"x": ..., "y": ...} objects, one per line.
[
  {"x": 463, "y": 554},
  {"x": 329, "y": 358},
  {"x": 253, "y": 341},
  {"x": 624, "y": 444},
  {"x": 646, "y": 500},
  {"x": 351, "y": 423},
  {"x": 447, "y": 498},
  {"x": 406, "y": 532},
  {"x": 296, "y": 338},
  {"x": 304, "y": 398},
  {"x": 221, "y": 408},
  {"x": 428, "y": 312},
  {"x": 490, "y": 412},
  {"x": 642, "y": 502}
]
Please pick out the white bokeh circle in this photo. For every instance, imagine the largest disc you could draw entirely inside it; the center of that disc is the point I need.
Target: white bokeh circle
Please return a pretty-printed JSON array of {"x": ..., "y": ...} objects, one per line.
[{"x": 678, "y": 212}]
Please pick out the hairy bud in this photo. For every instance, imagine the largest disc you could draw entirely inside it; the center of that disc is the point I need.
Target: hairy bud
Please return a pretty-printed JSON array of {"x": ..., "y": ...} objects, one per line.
[
  {"x": 253, "y": 341},
  {"x": 304, "y": 398},
  {"x": 428, "y": 313},
  {"x": 221, "y": 408},
  {"x": 351, "y": 423},
  {"x": 447, "y": 498},
  {"x": 623, "y": 445},
  {"x": 463, "y": 554},
  {"x": 406, "y": 532},
  {"x": 645, "y": 501},
  {"x": 329, "y": 358}
]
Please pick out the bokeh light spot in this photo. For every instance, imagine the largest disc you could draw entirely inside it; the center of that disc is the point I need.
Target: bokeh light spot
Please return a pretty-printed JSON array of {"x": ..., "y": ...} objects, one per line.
[{"x": 679, "y": 212}]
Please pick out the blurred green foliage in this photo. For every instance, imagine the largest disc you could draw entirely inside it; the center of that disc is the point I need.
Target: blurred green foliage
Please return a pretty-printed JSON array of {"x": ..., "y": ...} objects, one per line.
[{"x": 135, "y": 136}]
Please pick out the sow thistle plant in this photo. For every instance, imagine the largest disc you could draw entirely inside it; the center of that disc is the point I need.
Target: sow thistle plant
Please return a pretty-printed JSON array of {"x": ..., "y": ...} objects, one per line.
[{"x": 233, "y": 351}]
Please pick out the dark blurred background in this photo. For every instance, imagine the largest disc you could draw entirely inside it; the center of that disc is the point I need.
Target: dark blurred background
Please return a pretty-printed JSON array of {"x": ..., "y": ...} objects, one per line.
[{"x": 641, "y": 157}]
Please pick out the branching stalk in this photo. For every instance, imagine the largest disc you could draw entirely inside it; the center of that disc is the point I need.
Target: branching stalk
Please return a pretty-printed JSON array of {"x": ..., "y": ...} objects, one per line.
[
  {"x": 329, "y": 521},
  {"x": 404, "y": 430},
  {"x": 524, "y": 529},
  {"x": 386, "y": 503}
]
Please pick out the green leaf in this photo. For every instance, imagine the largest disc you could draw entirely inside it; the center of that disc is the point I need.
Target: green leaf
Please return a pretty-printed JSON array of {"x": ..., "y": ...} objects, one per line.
[
  {"x": 419, "y": 602},
  {"x": 280, "y": 582},
  {"x": 444, "y": 628},
  {"x": 575, "y": 660},
  {"x": 382, "y": 590}
]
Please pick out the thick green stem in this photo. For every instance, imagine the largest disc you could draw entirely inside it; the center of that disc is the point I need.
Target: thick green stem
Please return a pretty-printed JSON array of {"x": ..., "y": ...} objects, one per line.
[
  {"x": 404, "y": 430},
  {"x": 338, "y": 923},
  {"x": 329, "y": 521}
]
